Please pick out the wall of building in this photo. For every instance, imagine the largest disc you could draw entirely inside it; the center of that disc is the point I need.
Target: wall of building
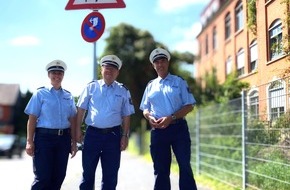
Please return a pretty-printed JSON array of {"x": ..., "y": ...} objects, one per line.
[{"x": 268, "y": 70}]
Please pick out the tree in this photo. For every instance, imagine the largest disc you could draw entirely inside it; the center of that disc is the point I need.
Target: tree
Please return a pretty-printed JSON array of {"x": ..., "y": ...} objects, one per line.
[
  {"x": 21, "y": 117},
  {"x": 212, "y": 88},
  {"x": 220, "y": 93}
]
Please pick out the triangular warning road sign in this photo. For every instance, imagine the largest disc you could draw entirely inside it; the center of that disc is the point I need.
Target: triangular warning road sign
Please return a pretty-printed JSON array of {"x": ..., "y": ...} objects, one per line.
[{"x": 94, "y": 4}]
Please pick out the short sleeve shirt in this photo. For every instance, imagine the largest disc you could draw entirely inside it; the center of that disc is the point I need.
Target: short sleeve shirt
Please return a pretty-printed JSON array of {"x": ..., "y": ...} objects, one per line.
[
  {"x": 163, "y": 97},
  {"x": 53, "y": 108},
  {"x": 106, "y": 105}
]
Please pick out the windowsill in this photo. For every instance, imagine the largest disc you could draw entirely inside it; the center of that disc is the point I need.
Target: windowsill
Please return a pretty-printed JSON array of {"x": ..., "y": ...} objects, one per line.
[
  {"x": 228, "y": 40},
  {"x": 239, "y": 31},
  {"x": 276, "y": 59},
  {"x": 247, "y": 75},
  {"x": 268, "y": 2}
]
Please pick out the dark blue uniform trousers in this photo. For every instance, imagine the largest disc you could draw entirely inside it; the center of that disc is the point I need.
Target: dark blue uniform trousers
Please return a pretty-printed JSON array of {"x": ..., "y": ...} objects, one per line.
[
  {"x": 105, "y": 147},
  {"x": 177, "y": 137},
  {"x": 50, "y": 160}
]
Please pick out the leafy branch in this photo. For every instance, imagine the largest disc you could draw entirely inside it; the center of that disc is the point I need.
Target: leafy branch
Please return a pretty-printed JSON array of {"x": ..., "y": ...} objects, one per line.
[{"x": 252, "y": 16}]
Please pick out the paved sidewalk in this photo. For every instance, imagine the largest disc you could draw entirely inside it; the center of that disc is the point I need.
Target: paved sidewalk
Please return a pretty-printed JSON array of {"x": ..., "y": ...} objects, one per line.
[{"x": 135, "y": 174}]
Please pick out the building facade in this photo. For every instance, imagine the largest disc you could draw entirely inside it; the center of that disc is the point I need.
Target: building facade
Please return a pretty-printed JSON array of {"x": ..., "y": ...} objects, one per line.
[
  {"x": 251, "y": 39},
  {"x": 10, "y": 99}
]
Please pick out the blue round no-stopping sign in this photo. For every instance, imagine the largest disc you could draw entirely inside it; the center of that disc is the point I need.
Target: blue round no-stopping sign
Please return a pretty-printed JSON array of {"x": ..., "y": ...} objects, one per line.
[{"x": 93, "y": 27}]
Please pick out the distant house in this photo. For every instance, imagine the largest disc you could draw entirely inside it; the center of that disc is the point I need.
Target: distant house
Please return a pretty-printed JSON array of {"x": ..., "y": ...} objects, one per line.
[{"x": 10, "y": 98}]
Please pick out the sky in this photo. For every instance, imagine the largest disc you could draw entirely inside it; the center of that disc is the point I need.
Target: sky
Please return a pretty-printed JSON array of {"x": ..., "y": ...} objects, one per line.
[{"x": 36, "y": 32}]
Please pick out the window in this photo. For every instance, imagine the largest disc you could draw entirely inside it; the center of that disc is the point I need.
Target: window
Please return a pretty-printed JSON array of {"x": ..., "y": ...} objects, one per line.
[
  {"x": 227, "y": 26},
  {"x": 1, "y": 113},
  {"x": 275, "y": 34},
  {"x": 253, "y": 56},
  {"x": 214, "y": 38},
  {"x": 200, "y": 48},
  {"x": 239, "y": 16},
  {"x": 254, "y": 104},
  {"x": 277, "y": 99},
  {"x": 229, "y": 65},
  {"x": 206, "y": 44},
  {"x": 241, "y": 62}
]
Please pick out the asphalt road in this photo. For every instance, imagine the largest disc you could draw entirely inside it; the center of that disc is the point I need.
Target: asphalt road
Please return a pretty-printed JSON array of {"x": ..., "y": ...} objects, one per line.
[{"x": 135, "y": 174}]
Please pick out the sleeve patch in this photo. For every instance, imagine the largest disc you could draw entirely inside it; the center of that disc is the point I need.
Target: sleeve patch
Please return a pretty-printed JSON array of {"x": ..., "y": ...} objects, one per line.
[{"x": 130, "y": 101}]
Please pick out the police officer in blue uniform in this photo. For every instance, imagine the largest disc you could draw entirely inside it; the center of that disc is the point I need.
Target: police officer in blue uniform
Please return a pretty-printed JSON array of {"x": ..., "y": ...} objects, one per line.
[
  {"x": 109, "y": 106},
  {"x": 51, "y": 130},
  {"x": 165, "y": 103}
]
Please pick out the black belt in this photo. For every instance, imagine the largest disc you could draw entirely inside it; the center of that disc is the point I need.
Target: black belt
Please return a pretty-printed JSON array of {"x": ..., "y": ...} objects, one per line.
[
  {"x": 58, "y": 132},
  {"x": 176, "y": 121},
  {"x": 105, "y": 130}
]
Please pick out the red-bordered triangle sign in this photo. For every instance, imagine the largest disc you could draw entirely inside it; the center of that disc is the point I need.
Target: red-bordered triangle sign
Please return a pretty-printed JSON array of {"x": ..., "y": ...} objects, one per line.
[{"x": 94, "y": 4}]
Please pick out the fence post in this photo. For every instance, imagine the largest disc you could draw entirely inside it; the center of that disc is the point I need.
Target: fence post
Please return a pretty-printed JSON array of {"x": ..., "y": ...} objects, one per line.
[
  {"x": 244, "y": 127},
  {"x": 142, "y": 131},
  {"x": 197, "y": 144}
]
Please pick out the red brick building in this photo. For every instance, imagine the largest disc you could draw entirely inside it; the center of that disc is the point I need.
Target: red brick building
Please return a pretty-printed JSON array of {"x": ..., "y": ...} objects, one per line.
[
  {"x": 9, "y": 107},
  {"x": 227, "y": 44}
]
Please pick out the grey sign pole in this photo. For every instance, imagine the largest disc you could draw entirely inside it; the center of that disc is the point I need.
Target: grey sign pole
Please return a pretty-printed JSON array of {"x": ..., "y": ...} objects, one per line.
[{"x": 95, "y": 70}]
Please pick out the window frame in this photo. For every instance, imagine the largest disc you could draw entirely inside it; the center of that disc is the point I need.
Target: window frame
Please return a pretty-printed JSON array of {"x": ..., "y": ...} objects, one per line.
[
  {"x": 206, "y": 45},
  {"x": 227, "y": 26},
  {"x": 275, "y": 111},
  {"x": 229, "y": 65},
  {"x": 253, "y": 63},
  {"x": 241, "y": 69},
  {"x": 214, "y": 38},
  {"x": 253, "y": 99},
  {"x": 239, "y": 16},
  {"x": 275, "y": 39}
]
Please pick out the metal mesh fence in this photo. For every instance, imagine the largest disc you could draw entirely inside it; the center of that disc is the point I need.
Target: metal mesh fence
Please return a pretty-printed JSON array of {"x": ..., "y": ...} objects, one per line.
[{"x": 245, "y": 142}]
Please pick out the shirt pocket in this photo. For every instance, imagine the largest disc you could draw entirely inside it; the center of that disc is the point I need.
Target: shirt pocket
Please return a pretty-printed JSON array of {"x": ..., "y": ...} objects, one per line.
[
  {"x": 174, "y": 96},
  {"x": 67, "y": 107},
  {"x": 116, "y": 103}
]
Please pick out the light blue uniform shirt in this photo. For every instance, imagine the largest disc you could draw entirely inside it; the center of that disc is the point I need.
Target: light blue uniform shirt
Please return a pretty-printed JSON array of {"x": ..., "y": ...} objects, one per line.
[
  {"x": 106, "y": 105},
  {"x": 52, "y": 107},
  {"x": 163, "y": 97}
]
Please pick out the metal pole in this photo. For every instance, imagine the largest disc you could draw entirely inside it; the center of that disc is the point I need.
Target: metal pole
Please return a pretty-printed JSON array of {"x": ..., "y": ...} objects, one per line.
[
  {"x": 244, "y": 128},
  {"x": 95, "y": 70},
  {"x": 197, "y": 140}
]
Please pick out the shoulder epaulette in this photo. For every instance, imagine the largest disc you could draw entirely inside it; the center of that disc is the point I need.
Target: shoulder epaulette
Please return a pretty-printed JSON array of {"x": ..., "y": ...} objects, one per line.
[
  {"x": 40, "y": 87},
  {"x": 149, "y": 82},
  {"x": 66, "y": 91},
  {"x": 124, "y": 86},
  {"x": 92, "y": 81},
  {"x": 180, "y": 77}
]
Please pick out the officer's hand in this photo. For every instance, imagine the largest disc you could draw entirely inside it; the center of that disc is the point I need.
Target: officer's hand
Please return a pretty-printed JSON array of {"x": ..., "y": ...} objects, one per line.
[
  {"x": 73, "y": 150},
  {"x": 124, "y": 143},
  {"x": 29, "y": 148},
  {"x": 163, "y": 122},
  {"x": 153, "y": 122}
]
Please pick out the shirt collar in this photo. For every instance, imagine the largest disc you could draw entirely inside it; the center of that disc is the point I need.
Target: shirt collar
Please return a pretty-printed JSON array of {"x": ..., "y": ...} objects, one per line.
[
  {"x": 103, "y": 84},
  {"x": 168, "y": 77},
  {"x": 50, "y": 88}
]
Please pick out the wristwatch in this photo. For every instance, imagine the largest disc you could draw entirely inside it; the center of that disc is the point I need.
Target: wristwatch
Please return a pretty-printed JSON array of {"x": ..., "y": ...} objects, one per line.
[
  {"x": 125, "y": 135},
  {"x": 173, "y": 117}
]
